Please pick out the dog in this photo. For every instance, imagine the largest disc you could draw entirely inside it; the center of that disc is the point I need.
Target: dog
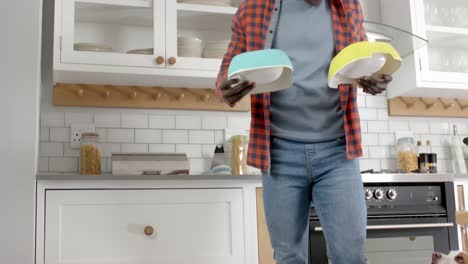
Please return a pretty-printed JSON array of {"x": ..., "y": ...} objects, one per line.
[{"x": 455, "y": 257}]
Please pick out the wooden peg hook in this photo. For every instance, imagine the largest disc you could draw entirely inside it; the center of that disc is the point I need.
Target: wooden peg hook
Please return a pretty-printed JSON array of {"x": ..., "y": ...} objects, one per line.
[
  {"x": 462, "y": 106},
  {"x": 426, "y": 103},
  {"x": 406, "y": 102},
  {"x": 446, "y": 105},
  {"x": 80, "y": 92}
]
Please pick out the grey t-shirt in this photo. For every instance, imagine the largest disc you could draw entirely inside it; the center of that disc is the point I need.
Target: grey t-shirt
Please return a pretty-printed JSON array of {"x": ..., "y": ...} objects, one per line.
[{"x": 309, "y": 111}]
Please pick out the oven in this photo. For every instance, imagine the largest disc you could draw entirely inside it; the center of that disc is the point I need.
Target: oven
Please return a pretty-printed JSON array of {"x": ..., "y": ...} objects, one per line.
[{"x": 407, "y": 220}]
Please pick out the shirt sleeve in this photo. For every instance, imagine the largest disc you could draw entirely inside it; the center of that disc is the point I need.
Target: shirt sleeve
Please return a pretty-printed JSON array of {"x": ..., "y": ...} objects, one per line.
[
  {"x": 236, "y": 46},
  {"x": 361, "y": 30}
]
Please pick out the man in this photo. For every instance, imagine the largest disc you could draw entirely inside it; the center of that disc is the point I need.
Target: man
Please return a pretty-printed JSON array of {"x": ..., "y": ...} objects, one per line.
[{"x": 305, "y": 139}]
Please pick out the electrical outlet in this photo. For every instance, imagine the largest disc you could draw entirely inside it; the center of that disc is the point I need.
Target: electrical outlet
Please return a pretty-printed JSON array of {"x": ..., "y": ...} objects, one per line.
[{"x": 76, "y": 131}]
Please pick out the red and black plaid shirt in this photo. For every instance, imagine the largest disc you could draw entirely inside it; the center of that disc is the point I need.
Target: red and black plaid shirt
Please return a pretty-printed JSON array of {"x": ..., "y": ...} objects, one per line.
[{"x": 251, "y": 29}]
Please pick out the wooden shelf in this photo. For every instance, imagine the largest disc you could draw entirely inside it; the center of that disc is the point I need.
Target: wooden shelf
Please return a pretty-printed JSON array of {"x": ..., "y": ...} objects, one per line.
[
  {"x": 428, "y": 107},
  {"x": 128, "y": 3},
  {"x": 207, "y": 9},
  {"x": 85, "y": 95}
]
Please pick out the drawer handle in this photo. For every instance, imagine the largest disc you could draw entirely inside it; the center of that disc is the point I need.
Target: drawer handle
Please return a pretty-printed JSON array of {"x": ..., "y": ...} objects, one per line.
[{"x": 149, "y": 230}]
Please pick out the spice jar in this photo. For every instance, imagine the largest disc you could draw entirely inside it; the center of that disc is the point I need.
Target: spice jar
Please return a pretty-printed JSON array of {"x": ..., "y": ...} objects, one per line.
[
  {"x": 239, "y": 155},
  {"x": 407, "y": 159},
  {"x": 90, "y": 154}
]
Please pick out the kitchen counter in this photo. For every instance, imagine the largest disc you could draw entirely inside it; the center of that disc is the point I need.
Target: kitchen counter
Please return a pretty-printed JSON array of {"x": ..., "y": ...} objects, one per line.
[{"x": 369, "y": 178}]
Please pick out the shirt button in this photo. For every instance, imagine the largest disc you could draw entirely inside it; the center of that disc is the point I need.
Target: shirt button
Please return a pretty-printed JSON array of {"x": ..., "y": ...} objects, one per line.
[
  {"x": 276, "y": 9},
  {"x": 271, "y": 31}
]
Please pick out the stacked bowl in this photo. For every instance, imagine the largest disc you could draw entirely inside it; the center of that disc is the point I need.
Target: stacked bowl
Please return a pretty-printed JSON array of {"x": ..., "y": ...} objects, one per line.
[{"x": 190, "y": 47}]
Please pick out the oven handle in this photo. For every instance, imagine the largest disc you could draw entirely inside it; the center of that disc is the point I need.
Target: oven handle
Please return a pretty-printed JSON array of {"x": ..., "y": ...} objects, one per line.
[{"x": 409, "y": 226}]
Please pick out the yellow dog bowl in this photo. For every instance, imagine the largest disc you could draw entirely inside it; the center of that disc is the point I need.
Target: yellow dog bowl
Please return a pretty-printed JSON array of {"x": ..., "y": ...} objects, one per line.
[{"x": 363, "y": 59}]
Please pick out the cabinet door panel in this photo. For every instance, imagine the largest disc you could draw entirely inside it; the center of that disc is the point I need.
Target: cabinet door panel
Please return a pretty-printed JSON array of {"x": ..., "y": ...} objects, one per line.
[{"x": 144, "y": 226}]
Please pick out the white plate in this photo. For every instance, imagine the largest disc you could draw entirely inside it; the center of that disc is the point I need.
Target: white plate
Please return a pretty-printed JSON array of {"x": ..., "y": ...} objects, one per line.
[
  {"x": 141, "y": 51},
  {"x": 94, "y": 47}
]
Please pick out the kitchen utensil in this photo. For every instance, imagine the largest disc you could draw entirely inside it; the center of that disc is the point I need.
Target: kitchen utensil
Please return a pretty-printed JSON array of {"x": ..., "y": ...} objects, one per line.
[
  {"x": 363, "y": 59},
  {"x": 221, "y": 170},
  {"x": 458, "y": 160},
  {"x": 149, "y": 164},
  {"x": 218, "y": 157},
  {"x": 94, "y": 47},
  {"x": 270, "y": 69},
  {"x": 465, "y": 141}
]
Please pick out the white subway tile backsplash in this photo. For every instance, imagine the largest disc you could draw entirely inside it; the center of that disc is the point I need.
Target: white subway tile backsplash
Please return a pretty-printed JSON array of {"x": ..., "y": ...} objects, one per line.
[
  {"x": 382, "y": 114},
  {"x": 108, "y": 148},
  {"x": 379, "y": 152},
  {"x": 188, "y": 122},
  {"x": 388, "y": 164},
  {"x": 440, "y": 128},
  {"x": 434, "y": 139},
  {"x": 368, "y": 113},
  {"x": 161, "y": 121},
  {"x": 239, "y": 123},
  {"x": 387, "y": 139},
  {"x": 63, "y": 164},
  {"x": 121, "y": 135},
  {"x": 201, "y": 137},
  {"x": 192, "y": 151},
  {"x": 376, "y": 101},
  {"x": 108, "y": 120},
  {"x": 69, "y": 152},
  {"x": 60, "y": 134},
  {"x": 365, "y": 152},
  {"x": 361, "y": 101},
  {"x": 420, "y": 127},
  {"x": 398, "y": 126},
  {"x": 104, "y": 165},
  {"x": 199, "y": 165},
  {"x": 44, "y": 134},
  {"x": 175, "y": 136},
  {"x": 162, "y": 148},
  {"x": 135, "y": 148},
  {"x": 52, "y": 119},
  {"x": 462, "y": 128},
  {"x": 50, "y": 149},
  {"x": 214, "y": 122},
  {"x": 148, "y": 136},
  {"x": 363, "y": 126},
  {"x": 102, "y": 134},
  {"x": 43, "y": 164},
  {"x": 219, "y": 137},
  {"x": 370, "y": 139},
  {"x": 78, "y": 118},
  {"x": 370, "y": 164},
  {"x": 377, "y": 126},
  {"x": 135, "y": 121}
]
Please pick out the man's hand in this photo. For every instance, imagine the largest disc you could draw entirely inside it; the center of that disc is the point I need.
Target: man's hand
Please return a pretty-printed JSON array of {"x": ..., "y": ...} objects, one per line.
[
  {"x": 375, "y": 86},
  {"x": 233, "y": 90}
]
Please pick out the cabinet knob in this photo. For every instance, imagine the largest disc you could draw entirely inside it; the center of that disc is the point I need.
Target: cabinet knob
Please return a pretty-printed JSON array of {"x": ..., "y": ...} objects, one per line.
[
  {"x": 160, "y": 60},
  {"x": 149, "y": 230},
  {"x": 172, "y": 60}
]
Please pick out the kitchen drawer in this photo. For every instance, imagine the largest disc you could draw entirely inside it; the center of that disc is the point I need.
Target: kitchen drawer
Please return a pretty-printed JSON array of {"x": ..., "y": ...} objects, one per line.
[{"x": 108, "y": 226}]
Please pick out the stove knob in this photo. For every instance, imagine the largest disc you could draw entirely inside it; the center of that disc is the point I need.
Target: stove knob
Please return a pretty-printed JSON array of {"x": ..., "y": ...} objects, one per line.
[
  {"x": 392, "y": 194},
  {"x": 379, "y": 194},
  {"x": 368, "y": 194}
]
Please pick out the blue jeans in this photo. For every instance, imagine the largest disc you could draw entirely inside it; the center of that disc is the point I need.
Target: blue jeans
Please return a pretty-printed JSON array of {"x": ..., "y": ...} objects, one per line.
[{"x": 321, "y": 174}]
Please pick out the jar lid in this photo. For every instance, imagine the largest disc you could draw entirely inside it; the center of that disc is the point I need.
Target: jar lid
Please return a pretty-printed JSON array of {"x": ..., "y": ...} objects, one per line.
[{"x": 89, "y": 135}]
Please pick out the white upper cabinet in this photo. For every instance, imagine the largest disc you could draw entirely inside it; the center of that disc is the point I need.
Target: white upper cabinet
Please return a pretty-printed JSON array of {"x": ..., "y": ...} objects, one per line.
[
  {"x": 141, "y": 42},
  {"x": 440, "y": 68}
]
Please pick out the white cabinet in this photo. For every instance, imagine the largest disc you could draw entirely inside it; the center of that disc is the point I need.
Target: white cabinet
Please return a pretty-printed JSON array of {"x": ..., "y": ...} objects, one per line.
[
  {"x": 137, "y": 42},
  {"x": 439, "y": 69},
  {"x": 176, "y": 226}
]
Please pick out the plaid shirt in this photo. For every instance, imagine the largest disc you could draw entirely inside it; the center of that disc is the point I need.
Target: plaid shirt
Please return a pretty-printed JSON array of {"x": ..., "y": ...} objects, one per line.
[{"x": 253, "y": 29}]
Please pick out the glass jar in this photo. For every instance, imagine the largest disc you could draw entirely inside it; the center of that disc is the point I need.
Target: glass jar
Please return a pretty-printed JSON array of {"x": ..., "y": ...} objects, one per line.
[
  {"x": 239, "y": 155},
  {"x": 90, "y": 154},
  {"x": 407, "y": 159}
]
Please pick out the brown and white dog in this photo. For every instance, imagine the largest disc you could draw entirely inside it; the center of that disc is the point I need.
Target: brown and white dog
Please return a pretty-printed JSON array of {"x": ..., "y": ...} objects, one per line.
[{"x": 455, "y": 257}]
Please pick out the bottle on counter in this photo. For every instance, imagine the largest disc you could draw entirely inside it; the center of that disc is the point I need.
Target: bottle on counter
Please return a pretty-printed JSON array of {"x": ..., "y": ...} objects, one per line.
[
  {"x": 458, "y": 160},
  {"x": 90, "y": 154},
  {"x": 423, "y": 158}
]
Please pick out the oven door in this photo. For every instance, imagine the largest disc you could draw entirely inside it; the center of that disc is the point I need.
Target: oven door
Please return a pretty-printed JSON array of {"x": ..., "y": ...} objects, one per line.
[{"x": 393, "y": 241}]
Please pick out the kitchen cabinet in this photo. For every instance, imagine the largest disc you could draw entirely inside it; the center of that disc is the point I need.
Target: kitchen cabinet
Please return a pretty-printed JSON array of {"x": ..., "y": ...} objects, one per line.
[
  {"x": 461, "y": 193},
  {"x": 137, "y": 42},
  {"x": 176, "y": 226},
  {"x": 440, "y": 68}
]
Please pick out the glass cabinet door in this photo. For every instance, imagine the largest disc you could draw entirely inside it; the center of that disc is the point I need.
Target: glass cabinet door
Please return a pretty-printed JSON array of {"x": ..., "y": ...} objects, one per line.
[
  {"x": 198, "y": 32},
  {"x": 445, "y": 25},
  {"x": 113, "y": 32}
]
